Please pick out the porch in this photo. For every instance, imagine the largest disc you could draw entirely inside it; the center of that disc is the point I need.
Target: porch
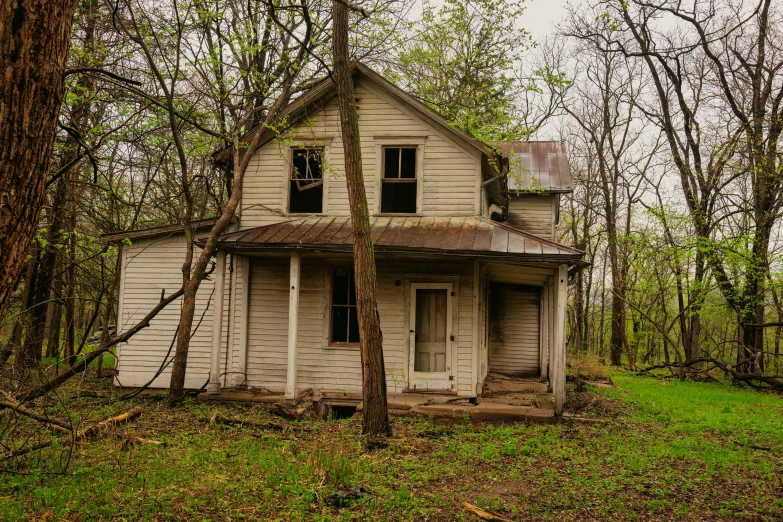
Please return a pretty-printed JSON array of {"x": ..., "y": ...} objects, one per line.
[
  {"x": 503, "y": 399},
  {"x": 492, "y": 301}
]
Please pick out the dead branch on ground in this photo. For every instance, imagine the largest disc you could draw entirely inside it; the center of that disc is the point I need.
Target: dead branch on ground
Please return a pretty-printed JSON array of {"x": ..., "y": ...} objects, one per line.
[{"x": 90, "y": 432}]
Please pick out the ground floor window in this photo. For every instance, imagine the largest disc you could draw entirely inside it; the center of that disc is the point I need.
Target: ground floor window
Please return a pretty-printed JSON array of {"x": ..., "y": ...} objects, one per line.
[{"x": 344, "y": 320}]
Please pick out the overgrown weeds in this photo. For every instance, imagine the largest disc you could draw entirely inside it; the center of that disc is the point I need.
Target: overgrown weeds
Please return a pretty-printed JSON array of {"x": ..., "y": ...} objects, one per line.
[{"x": 668, "y": 450}]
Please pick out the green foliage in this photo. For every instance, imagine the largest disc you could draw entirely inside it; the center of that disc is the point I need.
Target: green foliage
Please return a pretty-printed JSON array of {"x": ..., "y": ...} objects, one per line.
[
  {"x": 459, "y": 59},
  {"x": 673, "y": 453}
]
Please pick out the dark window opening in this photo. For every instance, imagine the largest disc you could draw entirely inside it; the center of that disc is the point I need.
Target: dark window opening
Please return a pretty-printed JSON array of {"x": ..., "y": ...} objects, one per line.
[
  {"x": 344, "y": 319},
  {"x": 398, "y": 184},
  {"x": 306, "y": 185}
]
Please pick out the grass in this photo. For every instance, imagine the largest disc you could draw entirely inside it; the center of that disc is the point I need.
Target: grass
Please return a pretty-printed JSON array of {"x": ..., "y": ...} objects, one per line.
[{"x": 669, "y": 450}]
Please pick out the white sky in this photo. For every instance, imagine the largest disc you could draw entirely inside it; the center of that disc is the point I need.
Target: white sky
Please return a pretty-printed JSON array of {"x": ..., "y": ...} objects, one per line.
[{"x": 541, "y": 16}]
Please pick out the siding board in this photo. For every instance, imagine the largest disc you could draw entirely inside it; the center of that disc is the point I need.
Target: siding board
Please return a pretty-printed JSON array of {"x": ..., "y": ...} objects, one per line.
[{"x": 514, "y": 330}]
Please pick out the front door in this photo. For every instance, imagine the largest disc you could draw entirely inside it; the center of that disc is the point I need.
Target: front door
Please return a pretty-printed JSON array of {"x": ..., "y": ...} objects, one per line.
[{"x": 430, "y": 357}]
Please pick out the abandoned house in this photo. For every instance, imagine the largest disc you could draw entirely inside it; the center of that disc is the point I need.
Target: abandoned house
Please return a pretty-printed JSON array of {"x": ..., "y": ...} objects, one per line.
[{"x": 470, "y": 278}]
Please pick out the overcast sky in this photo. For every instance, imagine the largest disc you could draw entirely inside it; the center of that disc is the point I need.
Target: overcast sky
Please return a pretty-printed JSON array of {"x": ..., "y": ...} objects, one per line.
[{"x": 541, "y": 15}]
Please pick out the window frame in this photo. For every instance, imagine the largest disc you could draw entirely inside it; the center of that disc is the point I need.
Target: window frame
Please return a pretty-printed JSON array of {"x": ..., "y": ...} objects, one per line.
[
  {"x": 399, "y": 143},
  {"x": 289, "y": 178},
  {"x": 330, "y": 278}
]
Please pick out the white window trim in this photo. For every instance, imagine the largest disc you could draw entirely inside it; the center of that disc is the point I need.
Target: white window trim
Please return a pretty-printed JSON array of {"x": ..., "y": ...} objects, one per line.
[
  {"x": 417, "y": 142},
  {"x": 289, "y": 159}
]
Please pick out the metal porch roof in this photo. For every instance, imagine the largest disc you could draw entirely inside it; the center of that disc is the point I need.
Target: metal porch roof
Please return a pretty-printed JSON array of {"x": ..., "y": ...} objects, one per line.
[{"x": 457, "y": 236}]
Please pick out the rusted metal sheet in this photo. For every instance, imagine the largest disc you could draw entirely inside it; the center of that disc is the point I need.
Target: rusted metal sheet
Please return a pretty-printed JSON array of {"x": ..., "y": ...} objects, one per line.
[
  {"x": 538, "y": 166},
  {"x": 463, "y": 236}
]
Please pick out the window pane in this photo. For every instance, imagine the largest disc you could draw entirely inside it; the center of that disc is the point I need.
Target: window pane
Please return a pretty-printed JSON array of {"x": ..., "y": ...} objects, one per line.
[
  {"x": 352, "y": 291},
  {"x": 300, "y": 164},
  {"x": 408, "y": 163},
  {"x": 353, "y": 325},
  {"x": 340, "y": 282},
  {"x": 398, "y": 198},
  {"x": 308, "y": 201},
  {"x": 339, "y": 324},
  {"x": 391, "y": 166},
  {"x": 306, "y": 192},
  {"x": 314, "y": 161}
]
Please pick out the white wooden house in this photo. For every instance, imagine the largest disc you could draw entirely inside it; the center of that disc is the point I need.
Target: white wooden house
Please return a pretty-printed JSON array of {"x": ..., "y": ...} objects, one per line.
[{"x": 470, "y": 280}]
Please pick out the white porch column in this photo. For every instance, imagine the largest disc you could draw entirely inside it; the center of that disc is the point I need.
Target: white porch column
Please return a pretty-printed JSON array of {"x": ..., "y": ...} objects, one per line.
[
  {"x": 217, "y": 323},
  {"x": 543, "y": 350},
  {"x": 243, "y": 269},
  {"x": 293, "y": 325},
  {"x": 550, "y": 317},
  {"x": 476, "y": 325},
  {"x": 558, "y": 362}
]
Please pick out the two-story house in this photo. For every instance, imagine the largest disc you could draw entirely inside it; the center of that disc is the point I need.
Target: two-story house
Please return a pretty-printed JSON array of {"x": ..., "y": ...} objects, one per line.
[{"x": 470, "y": 279}]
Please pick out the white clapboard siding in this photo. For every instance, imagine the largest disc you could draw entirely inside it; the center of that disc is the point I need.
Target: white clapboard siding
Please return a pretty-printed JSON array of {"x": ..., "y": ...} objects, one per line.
[
  {"x": 514, "y": 330},
  {"x": 533, "y": 213},
  {"x": 450, "y": 174},
  {"x": 338, "y": 369},
  {"x": 149, "y": 267},
  {"x": 267, "y": 324}
]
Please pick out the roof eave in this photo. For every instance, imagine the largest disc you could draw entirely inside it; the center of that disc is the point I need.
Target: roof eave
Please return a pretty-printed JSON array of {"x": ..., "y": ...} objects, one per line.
[{"x": 245, "y": 248}]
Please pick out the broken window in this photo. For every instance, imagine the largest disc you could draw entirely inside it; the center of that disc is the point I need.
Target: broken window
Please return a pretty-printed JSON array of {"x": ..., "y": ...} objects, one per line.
[
  {"x": 344, "y": 319},
  {"x": 306, "y": 190},
  {"x": 398, "y": 184}
]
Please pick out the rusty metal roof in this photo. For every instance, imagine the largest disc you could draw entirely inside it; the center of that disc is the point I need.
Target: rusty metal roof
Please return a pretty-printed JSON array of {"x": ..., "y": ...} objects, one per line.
[
  {"x": 457, "y": 236},
  {"x": 537, "y": 166}
]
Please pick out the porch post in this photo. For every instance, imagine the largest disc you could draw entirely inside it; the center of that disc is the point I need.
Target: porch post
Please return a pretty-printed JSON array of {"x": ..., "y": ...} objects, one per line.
[
  {"x": 293, "y": 324},
  {"x": 551, "y": 325},
  {"x": 543, "y": 350},
  {"x": 244, "y": 275},
  {"x": 558, "y": 374},
  {"x": 217, "y": 322},
  {"x": 476, "y": 323}
]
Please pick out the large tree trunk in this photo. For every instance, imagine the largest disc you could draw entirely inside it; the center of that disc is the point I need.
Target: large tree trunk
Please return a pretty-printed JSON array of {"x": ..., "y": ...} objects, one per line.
[
  {"x": 70, "y": 275},
  {"x": 34, "y": 41},
  {"x": 376, "y": 419},
  {"x": 53, "y": 342},
  {"x": 14, "y": 344}
]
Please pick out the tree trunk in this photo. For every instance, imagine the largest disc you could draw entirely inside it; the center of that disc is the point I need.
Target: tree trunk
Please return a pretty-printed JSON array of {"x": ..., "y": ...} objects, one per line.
[
  {"x": 14, "y": 344},
  {"x": 70, "y": 273},
  {"x": 375, "y": 415},
  {"x": 35, "y": 37},
  {"x": 53, "y": 343}
]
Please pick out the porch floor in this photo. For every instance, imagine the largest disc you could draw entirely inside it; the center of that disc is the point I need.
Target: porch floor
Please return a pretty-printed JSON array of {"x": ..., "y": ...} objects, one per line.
[{"x": 503, "y": 399}]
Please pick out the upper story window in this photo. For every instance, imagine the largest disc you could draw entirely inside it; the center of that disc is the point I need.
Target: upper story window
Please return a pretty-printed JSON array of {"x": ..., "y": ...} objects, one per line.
[
  {"x": 344, "y": 321},
  {"x": 306, "y": 182},
  {"x": 399, "y": 180}
]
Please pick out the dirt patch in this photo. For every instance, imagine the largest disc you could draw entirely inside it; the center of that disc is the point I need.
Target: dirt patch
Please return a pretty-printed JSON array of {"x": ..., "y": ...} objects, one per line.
[{"x": 584, "y": 402}]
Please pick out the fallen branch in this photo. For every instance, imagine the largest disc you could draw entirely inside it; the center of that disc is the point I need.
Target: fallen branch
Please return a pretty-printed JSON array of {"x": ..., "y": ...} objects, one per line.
[
  {"x": 774, "y": 382},
  {"x": 92, "y": 431},
  {"x": 134, "y": 441},
  {"x": 486, "y": 515},
  {"x": 13, "y": 405},
  {"x": 219, "y": 418}
]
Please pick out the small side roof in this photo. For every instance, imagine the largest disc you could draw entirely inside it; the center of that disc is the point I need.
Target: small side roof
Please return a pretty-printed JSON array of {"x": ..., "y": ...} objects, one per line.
[
  {"x": 143, "y": 233},
  {"x": 538, "y": 166}
]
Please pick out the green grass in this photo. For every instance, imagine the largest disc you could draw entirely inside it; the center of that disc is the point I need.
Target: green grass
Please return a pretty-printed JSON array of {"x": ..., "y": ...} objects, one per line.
[{"x": 679, "y": 451}]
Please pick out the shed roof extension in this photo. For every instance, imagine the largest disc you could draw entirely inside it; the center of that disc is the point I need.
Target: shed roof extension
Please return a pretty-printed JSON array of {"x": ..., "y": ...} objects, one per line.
[
  {"x": 472, "y": 237},
  {"x": 537, "y": 166}
]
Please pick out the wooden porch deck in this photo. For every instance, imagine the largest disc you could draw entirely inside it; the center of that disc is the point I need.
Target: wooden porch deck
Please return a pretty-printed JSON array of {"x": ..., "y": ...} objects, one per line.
[{"x": 502, "y": 399}]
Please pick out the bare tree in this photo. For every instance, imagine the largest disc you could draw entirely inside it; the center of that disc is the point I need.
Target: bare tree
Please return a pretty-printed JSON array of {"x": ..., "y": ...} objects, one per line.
[{"x": 375, "y": 416}]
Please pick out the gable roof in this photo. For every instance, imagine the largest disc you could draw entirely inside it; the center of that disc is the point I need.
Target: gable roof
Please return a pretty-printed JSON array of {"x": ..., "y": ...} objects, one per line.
[
  {"x": 325, "y": 90},
  {"x": 471, "y": 237},
  {"x": 537, "y": 166}
]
